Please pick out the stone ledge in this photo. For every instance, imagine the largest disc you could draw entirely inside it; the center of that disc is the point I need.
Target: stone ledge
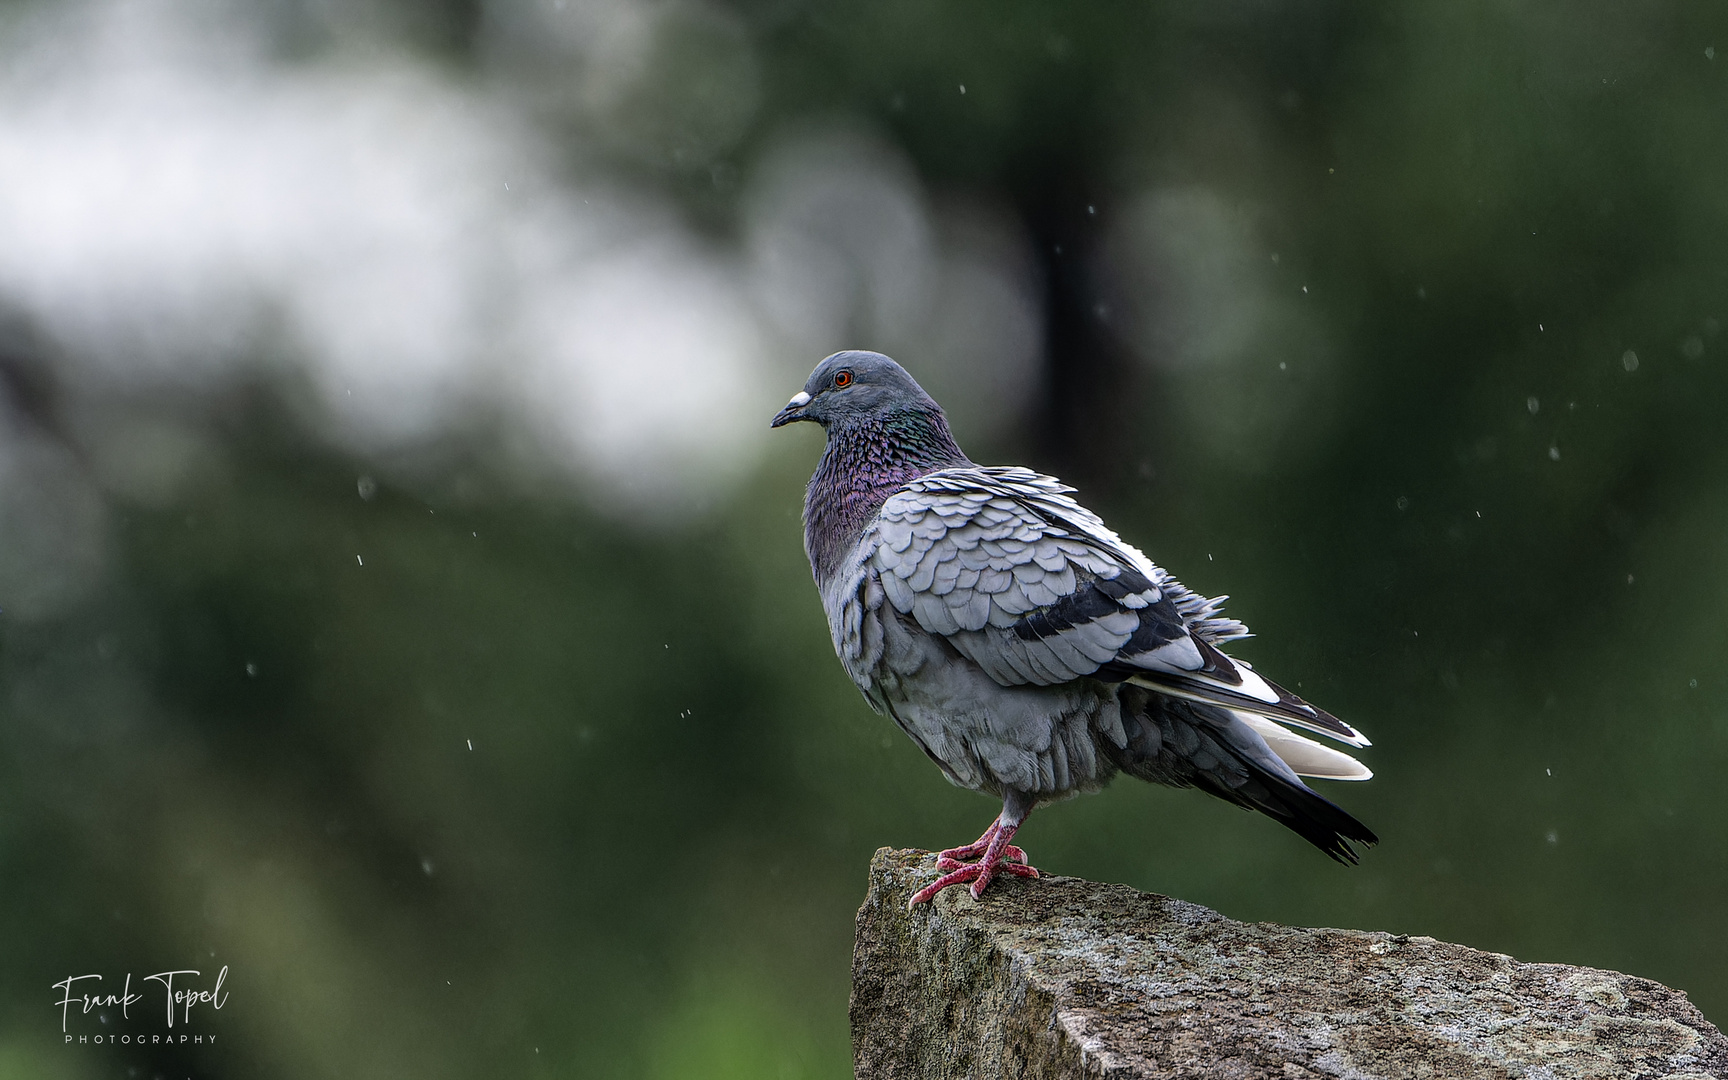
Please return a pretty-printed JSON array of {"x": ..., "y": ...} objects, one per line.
[{"x": 1068, "y": 978}]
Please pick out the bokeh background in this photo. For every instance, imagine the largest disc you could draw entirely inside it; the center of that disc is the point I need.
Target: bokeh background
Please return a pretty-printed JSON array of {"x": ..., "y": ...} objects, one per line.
[{"x": 401, "y": 594}]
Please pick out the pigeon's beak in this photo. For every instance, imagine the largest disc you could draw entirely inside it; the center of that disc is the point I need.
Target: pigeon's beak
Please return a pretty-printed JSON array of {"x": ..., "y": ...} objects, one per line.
[{"x": 793, "y": 411}]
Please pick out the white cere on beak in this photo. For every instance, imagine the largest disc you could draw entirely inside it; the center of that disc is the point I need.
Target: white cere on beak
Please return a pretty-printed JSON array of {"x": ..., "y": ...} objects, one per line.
[{"x": 800, "y": 398}]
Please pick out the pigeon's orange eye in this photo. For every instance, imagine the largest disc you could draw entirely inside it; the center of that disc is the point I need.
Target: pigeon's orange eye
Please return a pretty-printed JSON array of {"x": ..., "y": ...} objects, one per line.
[{"x": 842, "y": 379}]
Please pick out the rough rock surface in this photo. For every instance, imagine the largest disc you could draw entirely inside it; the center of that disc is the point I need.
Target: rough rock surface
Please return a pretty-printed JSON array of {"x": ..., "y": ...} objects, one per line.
[{"x": 1067, "y": 978}]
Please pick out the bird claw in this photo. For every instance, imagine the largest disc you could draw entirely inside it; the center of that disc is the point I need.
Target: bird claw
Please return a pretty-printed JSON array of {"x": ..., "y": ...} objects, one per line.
[
  {"x": 994, "y": 855},
  {"x": 955, "y": 858},
  {"x": 979, "y": 874}
]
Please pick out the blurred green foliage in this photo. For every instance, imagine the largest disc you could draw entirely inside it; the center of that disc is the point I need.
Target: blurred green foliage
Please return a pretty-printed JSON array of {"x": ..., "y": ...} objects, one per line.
[{"x": 468, "y": 779}]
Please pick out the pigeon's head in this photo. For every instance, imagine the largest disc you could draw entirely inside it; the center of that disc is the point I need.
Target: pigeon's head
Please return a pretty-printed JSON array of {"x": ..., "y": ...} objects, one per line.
[{"x": 855, "y": 385}]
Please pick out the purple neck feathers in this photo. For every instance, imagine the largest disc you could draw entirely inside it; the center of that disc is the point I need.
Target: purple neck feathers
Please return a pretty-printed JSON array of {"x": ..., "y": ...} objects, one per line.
[{"x": 868, "y": 459}]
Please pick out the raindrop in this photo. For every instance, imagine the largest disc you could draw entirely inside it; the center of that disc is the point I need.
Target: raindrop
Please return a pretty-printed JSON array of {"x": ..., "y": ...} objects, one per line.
[
  {"x": 1421, "y": 293},
  {"x": 962, "y": 88},
  {"x": 1274, "y": 256},
  {"x": 368, "y": 488},
  {"x": 470, "y": 744},
  {"x": 1709, "y": 52},
  {"x": 1092, "y": 210},
  {"x": 1629, "y": 360},
  {"x": 1533, "y": 404},
  {"x": 252, "y": 670},
  {"x": 1304, "y": 288},
  {"x": 1693, "y": 684},
  {"x": 426, "y": 866},
  {"x": 1550, "y": 772},
  {"x": 1553, "y": 836},
  {"x": 1403, "y": 502},
  {"x": 1282, "y": 366},
  {"x": 359, "y": 560},
  {"x": 1628, "y": 579},
  {"x": 1553, "y": 453}
]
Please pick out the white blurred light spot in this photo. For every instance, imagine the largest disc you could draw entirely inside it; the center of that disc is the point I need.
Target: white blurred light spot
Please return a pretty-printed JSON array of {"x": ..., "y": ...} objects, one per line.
[
  {"x": 846, "y": 251},
  {"x": 181, "y": 209},
  {"x": 1203, "y": 305}
]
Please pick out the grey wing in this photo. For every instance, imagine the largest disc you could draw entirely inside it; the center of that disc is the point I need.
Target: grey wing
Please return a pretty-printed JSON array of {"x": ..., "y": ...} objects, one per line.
[{"x": 1035, "y": 589}]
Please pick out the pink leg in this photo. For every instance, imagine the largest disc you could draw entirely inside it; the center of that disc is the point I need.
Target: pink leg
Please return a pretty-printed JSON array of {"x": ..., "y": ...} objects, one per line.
[{"x": 995, "y": 858}]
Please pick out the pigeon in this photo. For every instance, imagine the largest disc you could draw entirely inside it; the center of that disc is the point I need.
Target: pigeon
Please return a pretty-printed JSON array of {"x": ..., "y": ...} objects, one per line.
[{"x": 1028, "y": 650}]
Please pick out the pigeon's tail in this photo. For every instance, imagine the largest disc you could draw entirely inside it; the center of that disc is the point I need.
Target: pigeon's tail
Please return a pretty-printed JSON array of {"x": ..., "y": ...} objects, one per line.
[
  {"x": 1309, "y": 815},
  {"x": 1189, "y": 744}
]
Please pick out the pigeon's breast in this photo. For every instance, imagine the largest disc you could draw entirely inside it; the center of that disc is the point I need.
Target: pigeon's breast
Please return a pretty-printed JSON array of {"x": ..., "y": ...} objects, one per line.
[
  {"x": 1042, "y": 740},
  {"x": 852, "y": 598}
]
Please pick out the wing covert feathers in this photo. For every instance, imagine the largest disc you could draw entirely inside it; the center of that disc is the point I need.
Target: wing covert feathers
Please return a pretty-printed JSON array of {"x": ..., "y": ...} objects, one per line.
[{"x": 1035, "y": 589}]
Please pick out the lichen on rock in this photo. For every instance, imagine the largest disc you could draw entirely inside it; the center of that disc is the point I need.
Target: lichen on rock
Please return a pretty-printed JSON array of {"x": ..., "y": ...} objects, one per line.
[{"x": 1061, "y": 977}]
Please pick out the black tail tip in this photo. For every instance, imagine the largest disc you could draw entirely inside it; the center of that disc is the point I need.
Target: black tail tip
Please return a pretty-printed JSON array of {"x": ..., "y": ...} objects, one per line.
[{"x": 1334, "y": 838}]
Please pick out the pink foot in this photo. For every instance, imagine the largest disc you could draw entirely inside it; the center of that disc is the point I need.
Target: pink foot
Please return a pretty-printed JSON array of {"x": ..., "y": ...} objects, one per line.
[
  {"x": 956, "y": 857},
  {"x": 978, "y": 873},
  {"x": 996, "y": 855}
]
